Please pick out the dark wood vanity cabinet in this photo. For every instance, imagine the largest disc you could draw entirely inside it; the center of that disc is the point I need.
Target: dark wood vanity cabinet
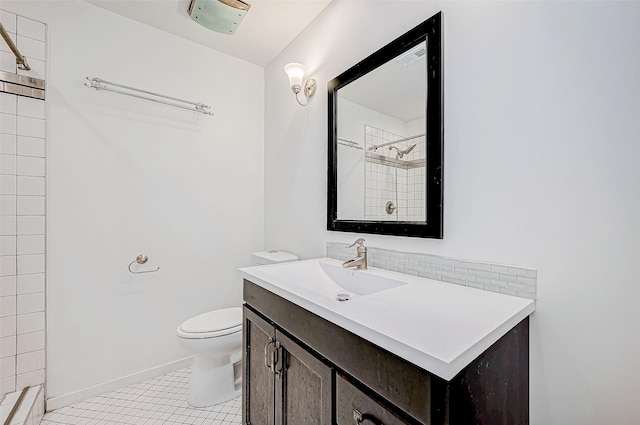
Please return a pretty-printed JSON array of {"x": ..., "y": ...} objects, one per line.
[
  {"x": 301, "y": 369},
  {"x": 285, "y": 384},
  {"x": 351, "y": 400}
]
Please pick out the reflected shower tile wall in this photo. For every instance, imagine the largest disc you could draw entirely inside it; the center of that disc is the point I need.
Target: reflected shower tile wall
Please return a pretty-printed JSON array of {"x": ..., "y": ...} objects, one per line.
[
  {"x": 380, "y": 179},
  {"x": 22, "y": 214}
]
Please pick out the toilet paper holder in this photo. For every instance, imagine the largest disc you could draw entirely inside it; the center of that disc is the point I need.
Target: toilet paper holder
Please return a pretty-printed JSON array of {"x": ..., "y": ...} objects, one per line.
[{"x": 141, "y": 259}]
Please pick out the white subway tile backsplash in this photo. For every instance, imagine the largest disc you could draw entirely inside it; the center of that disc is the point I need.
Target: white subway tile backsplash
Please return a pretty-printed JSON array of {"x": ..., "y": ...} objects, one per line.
[
  {"x": 30, "y": 244},
  {"x": 28, "y": 264},
  {"x": 31, "y": 361},
  {"x": 8, "y": 306},
  {"x": 30, "y": 303},
  {"x": 8, "y": 346},
  {"x": 8, "y": 103},
  {"x": 8, "y": 326},
  {"x": 30, "y": 107},
  {"x": 8, "y": 123},
  {"x": 8, "y": 184},
  {"x": 30, "y": 225},
  {"x": 30, "y": 342},
  {"x": 8, "y": 285},
  {"x": 8, "y": 205},
  {"x": 32, "y": 127},
  {"x": 511, "y": 280},
  {"x": 8, "y": 265},
  {"x": 27, "y": 185},
  {"x": 30, "y": 379},
  {"x": 8, "y": 143},
  {"x": 7, "y": 164},
  {"x": 30, "y": 322},
  {"x": 30, "y": 28},
  {"x": 30, "y": 205},
  {"x": 30, "y": 166},
  {"x": 31, "y": 48},
  {"x": 8, "y": 245},
  {"x": 30, "y": 146},
  {"x": 30, "y": 283}
]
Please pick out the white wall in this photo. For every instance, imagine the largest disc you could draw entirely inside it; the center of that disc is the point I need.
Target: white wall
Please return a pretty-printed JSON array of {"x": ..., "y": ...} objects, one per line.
[
  {"x": 127, "y": 176},
  {"x": 541, "y": 151}
]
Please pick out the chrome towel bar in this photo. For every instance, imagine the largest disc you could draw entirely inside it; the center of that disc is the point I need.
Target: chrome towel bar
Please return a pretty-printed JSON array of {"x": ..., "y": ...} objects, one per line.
[{"x": 100, "y": 84}]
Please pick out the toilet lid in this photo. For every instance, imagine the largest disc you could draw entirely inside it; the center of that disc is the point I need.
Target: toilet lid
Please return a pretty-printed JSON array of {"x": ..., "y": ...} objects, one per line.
[{"x": 217, "y": 321}]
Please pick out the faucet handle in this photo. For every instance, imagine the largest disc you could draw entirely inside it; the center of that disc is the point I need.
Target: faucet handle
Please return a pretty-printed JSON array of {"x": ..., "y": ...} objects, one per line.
[{"x": 359, "y": 242}]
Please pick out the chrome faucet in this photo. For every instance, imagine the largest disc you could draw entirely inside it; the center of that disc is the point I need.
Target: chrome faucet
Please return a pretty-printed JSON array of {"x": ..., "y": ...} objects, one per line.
[{"x": 360, "y": 261}]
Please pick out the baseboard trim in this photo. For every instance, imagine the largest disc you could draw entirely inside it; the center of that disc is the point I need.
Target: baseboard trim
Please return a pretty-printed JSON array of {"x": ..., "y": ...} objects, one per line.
[{"x": 63, "y": 400}]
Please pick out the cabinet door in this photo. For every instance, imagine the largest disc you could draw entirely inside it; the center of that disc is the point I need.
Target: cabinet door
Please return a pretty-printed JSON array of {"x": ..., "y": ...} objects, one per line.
[
  {"x": 259, "y": 381},
  {"x": 303, "y": 386},
  {"x": 355, "y": 407}
]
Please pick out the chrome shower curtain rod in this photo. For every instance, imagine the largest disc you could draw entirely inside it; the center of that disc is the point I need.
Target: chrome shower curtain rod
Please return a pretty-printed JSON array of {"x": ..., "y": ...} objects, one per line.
[
  {"x": 20, "y": 60},
  {"x": 374, "y": 147},
  {"x": 100, "y": 84}
]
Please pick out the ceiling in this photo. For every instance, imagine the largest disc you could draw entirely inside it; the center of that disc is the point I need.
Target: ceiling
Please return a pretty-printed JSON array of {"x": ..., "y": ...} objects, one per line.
[
  {"x": 395, "y": 89},
  {"x": 268, "y": 27}
]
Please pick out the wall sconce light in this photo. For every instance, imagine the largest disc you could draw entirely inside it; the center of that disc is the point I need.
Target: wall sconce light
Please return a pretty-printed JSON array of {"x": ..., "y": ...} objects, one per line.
[{"x": 295, "y": 72}]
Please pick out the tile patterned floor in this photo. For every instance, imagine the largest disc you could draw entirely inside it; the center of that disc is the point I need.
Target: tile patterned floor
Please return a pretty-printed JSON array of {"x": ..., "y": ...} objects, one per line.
[{"x": 161, "y": 400}]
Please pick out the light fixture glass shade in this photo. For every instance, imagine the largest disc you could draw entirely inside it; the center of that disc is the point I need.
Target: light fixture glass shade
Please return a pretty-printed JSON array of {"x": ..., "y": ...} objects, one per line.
[
  {"x": 222, "y": 16},
  {"x": 295, "y": 72}
]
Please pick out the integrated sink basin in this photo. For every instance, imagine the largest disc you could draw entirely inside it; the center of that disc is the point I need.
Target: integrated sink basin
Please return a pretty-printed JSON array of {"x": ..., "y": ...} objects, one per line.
[
  {"x": 330, "y": 280},
  {"x": 359, "y": 282},
  {"x": 438, "y": 326}
]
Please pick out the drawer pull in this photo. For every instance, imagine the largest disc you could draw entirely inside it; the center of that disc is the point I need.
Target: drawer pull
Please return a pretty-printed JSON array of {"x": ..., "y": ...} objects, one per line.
[{"x": 361, "y": 417}]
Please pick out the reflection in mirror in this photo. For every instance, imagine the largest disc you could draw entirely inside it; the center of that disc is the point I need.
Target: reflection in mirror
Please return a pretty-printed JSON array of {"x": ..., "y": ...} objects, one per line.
[
  {"x": 381, "y": 142},
  {"x": 386, "y": 140}
]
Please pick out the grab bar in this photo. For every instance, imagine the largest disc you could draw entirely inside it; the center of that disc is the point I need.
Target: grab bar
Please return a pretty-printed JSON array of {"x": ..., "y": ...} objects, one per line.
[{"x": 141, "y": 259}]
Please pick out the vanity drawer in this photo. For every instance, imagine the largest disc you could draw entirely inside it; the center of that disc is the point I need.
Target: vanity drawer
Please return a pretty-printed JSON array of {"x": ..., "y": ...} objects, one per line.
[{"x": 349, "y": 399}]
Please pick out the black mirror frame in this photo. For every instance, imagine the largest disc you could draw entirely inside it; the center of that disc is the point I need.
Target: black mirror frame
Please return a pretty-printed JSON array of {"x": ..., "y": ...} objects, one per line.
[{"x": 432, "y": 227}]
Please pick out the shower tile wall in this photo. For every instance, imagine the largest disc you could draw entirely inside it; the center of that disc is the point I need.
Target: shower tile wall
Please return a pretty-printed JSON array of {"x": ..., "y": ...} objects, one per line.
[
  {"x": 22, "y": 214},
  {"x": 380, "y": 184}
]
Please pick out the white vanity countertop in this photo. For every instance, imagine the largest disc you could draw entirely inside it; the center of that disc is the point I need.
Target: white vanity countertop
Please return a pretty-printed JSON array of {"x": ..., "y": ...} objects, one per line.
[{"x": 441, "y": 327}]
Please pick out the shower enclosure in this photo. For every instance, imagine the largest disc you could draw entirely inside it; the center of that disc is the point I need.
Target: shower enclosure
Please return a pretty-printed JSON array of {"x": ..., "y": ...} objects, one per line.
[{"x": 394, "y": 176}]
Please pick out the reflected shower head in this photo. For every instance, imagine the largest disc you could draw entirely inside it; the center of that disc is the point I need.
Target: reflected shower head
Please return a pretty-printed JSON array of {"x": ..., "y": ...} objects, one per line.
[
  {"x": 400, "y": 153},
  {"x": 222, "y": 16},
  {"x": 409, "y": 149}
]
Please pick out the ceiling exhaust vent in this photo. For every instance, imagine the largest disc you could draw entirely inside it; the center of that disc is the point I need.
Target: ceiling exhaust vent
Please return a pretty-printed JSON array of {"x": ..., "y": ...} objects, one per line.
[
  {"x": 413, "y": 55},
  {"x": 222, "y": 16}
]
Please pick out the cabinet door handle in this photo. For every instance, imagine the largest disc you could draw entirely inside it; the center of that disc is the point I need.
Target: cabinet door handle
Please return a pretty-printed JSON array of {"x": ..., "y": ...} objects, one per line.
[
  {"x": 276, "y": 358},
  {"x": 267, "y": 356},
  {"x": 360, "y": 417}
]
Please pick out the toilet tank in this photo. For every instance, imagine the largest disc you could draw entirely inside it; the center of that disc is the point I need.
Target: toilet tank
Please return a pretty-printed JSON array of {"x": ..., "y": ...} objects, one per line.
[{"x": 272, "y": 256}]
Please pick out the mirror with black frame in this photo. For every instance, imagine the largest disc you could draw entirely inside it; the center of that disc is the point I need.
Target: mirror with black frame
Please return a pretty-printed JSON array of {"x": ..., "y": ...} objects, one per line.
[{"x": 386, "y": 139}]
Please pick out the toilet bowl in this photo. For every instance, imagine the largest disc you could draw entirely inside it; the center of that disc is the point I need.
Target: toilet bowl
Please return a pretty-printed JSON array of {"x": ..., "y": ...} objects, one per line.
[{"x": 215, "y": 339}]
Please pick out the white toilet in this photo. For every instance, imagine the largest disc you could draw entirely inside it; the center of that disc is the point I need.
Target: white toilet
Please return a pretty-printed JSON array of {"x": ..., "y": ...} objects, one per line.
[{"x": 215, "y": 339}]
